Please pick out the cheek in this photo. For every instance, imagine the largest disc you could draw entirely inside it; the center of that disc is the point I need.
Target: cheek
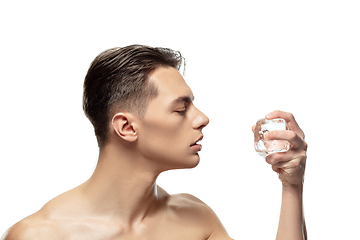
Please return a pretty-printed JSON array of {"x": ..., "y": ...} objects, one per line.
[
  {"x": 163, "y": 142},
  {"x": 164, "y": 129}
]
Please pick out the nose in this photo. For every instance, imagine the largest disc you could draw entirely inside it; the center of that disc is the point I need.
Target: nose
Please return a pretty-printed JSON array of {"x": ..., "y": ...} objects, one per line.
[{"x": 200, "y": 121}]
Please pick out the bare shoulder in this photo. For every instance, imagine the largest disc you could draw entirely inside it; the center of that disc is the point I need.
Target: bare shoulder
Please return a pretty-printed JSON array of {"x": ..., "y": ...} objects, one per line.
[
  {"x": 191, "y": 209},
  {"x": 29, "y": 228},
  {"x": 187, "y": 204},
  {"x": 185, "y": 200},
  {"x": 40, "y": 225}
]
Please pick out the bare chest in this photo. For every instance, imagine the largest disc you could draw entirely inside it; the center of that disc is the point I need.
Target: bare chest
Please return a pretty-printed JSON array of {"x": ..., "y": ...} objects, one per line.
[{"x": 154, "y": 231}]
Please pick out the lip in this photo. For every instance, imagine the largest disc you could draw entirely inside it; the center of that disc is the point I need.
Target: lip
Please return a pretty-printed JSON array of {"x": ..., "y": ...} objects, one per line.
[{"x": 197, "y": 146}]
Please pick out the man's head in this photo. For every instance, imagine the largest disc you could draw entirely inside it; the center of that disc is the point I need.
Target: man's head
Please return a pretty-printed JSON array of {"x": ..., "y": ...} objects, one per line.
[
  {"x": 168, "y": 134},
  {"x": 118, "y": 80}
]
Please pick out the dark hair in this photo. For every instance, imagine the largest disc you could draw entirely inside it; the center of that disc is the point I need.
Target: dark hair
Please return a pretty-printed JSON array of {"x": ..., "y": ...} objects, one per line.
[{"x": 117, "y": 80}]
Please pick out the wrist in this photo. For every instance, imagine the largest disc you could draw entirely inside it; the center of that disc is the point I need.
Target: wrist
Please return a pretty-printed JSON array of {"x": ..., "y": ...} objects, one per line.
[
  {"x": 292, "y": 190},
  {"x": 287, "y": 186}
]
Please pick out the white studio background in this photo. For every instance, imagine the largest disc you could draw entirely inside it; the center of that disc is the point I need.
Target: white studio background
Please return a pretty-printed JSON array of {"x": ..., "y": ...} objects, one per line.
[{"x": 244, "y": 59}]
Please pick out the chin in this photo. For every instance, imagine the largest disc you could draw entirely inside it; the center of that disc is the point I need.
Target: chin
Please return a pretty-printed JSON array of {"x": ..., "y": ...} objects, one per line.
[
  {"x": 190, "y": 163},
  {"x": 193, "y": 162}
]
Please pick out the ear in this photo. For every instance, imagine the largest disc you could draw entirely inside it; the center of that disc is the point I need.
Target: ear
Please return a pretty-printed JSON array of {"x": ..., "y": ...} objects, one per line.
[{"x": 125, "y": 126}]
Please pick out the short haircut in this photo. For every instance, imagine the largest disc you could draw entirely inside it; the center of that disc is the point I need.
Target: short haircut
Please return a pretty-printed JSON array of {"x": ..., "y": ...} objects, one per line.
[{"x": 117, "y": 80}]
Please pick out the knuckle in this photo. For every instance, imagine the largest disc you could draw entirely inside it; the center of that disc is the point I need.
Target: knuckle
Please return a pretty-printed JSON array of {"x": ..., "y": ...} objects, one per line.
[
  {"x": 292, "y": 135},
  {"x": 289, "y": 115},
  {"x": 268, "y": 159},
  {"x": 274, "y": 158},
  {"x": 300, "y": 166},
  {"x": 305, "y": 146},
  {"x": 302, "y": 135},
  {"x": 296, "y": 163}
]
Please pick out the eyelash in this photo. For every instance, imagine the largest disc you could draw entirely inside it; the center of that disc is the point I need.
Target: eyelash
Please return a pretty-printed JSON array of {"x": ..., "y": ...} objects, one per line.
[{"x": 182, "y": 112}]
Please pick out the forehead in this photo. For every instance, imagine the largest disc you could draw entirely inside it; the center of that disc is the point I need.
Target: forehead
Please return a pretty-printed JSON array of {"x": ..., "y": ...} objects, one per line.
[{"x": 170, "y": 84}]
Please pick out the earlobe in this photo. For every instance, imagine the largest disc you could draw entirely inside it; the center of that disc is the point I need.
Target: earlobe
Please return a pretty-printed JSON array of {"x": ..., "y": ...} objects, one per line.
[{"x": 124, "y": 127}]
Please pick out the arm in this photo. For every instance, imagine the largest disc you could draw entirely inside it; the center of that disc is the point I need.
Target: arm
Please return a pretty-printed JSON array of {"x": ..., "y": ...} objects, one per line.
[
  {"x": 291, "y": 221},
  {"x": 290, "y": 166}
]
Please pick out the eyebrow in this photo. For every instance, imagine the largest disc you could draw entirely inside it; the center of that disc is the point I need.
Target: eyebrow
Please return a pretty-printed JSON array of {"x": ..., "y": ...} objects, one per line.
[{"x": 183, "y": 99}]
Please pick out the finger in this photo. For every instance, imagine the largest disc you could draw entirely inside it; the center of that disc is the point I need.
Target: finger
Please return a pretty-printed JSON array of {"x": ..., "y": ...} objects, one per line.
[
  {"x": 277, "y": 167},
  {"x": 275, "y": 158},
  {"x": 291, "y": 172},
  {"x": 279, "y": 157},
  {"x": 293, "y": 138},
  {"x": 253, "y": 128},
  {"x": 290, "y": 120},
  {"x": 290, "y": 164}
]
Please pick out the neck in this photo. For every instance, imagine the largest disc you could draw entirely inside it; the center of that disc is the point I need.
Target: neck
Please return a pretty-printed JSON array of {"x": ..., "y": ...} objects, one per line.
[{"x": 122, "y": 186}]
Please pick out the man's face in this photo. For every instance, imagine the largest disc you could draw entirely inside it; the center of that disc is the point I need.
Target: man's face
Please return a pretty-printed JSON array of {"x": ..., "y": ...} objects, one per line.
[{"x": 172, "y": 124}]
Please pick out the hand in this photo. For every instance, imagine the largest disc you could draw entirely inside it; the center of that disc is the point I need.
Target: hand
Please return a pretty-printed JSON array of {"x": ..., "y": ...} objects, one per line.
[{"x": 289, "y": 165}]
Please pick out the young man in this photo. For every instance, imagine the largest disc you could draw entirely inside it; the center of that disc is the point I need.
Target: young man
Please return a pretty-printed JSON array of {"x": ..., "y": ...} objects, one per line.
[{"x": 146, "y": 123}]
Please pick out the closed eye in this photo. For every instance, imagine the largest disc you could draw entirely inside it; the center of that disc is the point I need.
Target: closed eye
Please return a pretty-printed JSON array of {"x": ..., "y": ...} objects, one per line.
[
  {"x": 182, "y": 112},
  {"x": 181, "y": 104}
]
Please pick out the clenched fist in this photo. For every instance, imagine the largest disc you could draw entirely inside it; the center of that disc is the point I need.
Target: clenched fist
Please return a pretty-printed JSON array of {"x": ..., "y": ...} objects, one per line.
[{"x": 290, "y": 165}]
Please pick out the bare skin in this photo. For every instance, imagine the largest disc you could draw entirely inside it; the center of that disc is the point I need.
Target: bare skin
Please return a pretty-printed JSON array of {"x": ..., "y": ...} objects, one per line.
[
  {"x": 290, "y": 166},
  {"x": 121, "y": 200}
]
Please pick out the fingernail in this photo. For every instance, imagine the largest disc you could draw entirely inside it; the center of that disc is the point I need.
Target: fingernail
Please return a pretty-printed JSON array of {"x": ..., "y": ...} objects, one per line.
[
  {"x": 268, "y": 116},
  {"x": 266, "y": 135}
]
